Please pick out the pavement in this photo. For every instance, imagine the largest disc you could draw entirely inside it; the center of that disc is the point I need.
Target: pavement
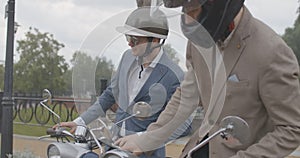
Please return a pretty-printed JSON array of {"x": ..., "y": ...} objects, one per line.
[{"x": 32, "y": 145}]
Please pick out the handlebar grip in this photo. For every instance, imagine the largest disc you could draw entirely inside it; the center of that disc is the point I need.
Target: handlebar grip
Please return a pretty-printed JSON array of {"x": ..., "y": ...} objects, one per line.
[{"x": 51, "y": 131}]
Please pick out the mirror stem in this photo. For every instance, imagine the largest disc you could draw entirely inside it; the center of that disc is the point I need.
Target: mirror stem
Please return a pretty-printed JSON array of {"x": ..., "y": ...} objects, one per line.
[
  {"x": 138, "y": 112},
  {"x": 96, "y": 140},
  {"x": 45, "y": 106}
]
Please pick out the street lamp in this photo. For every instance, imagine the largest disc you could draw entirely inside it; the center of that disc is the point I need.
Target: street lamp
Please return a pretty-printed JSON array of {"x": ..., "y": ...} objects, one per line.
[
  {"x": 16, "y": 26},
  {"x": 7, "y": 101}
]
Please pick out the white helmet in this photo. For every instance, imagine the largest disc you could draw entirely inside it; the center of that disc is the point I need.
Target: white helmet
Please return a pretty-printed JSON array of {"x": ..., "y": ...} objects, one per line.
[{"x": 143, "y": 22}]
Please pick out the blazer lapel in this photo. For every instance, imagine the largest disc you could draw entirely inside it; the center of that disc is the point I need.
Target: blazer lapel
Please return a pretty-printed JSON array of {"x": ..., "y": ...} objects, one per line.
[
  {"x": 232, "y": 55},
  {"x": 158, "y": 72},
  {"x": 237, "y": 44},
  {"x": 123, "y": 78}
]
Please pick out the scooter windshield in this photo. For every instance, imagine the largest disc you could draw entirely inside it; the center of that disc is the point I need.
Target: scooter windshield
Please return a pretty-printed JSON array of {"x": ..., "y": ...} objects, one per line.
[
  {"x": 104, "y": 63},
  {"x": 104, "y": 56}
]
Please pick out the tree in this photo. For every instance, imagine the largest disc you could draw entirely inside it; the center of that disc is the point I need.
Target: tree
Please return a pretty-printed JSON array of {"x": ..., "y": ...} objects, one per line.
[
  {"x": 96, "y": 68},
  {"x": 171, "y": 53},
  {"x": 292, "y": 37},
  {"x": 39, "y": 66},
  {"x": 68, "y": 80},
  {"x": 104, "y": 71}
]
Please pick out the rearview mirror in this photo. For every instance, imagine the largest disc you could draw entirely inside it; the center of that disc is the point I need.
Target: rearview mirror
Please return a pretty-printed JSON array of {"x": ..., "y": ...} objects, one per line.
[
  {"x": 47, "y": 96},
  {"x": 234, "y": 130},
  {"x": 142, "y": 110}
]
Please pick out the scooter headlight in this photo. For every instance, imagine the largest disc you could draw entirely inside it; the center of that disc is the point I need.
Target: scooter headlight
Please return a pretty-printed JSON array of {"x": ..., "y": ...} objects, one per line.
[{"x": 53, "y": 151}]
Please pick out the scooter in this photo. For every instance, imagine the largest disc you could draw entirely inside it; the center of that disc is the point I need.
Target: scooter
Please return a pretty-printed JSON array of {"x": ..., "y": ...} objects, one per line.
[
  {"x": 233, "y": 129},
  {"x": 75, "y": 146}
]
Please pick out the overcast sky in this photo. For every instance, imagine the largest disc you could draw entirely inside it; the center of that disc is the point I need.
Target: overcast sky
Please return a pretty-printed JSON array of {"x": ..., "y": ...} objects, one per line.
[{"x": 71, "y": 21}]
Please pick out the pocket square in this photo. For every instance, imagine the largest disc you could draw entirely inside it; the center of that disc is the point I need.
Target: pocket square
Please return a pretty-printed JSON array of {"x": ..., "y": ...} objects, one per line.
[{"x": 233, "y": 78}]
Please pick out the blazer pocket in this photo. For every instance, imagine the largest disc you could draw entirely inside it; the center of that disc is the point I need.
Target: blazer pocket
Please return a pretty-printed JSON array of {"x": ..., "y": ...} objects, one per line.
[{"x": 243, "y": 83}]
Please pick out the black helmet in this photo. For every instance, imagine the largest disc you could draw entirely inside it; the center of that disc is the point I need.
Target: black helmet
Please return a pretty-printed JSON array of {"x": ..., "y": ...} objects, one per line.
[
  {"x": 143, "y": 22},
  {"x": 216, "y": 15},
  {"x": 179, "y": 3}
]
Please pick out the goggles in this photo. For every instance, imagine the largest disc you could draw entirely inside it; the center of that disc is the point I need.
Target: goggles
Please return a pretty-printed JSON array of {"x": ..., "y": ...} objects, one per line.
[{"x": 132, "y": 39}]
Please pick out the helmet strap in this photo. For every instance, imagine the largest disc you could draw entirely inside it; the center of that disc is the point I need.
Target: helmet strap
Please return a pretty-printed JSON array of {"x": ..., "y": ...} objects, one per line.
[{"x": 148, "y": 50}]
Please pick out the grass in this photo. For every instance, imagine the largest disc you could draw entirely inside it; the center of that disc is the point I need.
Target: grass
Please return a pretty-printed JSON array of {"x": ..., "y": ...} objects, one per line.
[
  {"x": 29, "y": 130},
  {"x": 32, "y": 128}
]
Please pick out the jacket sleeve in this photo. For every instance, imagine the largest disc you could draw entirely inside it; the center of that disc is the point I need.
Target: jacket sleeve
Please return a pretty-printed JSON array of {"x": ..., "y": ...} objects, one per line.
[
  {"x": 279, "y": 91},
  {"x": 185, "y": 128},
  {"x": 105, "y": 100},
  {"x": 99, "y": 108}
]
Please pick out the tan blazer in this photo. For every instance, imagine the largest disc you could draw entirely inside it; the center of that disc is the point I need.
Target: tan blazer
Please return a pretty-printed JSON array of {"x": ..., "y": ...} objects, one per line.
[{"x": 267, "y": 95}]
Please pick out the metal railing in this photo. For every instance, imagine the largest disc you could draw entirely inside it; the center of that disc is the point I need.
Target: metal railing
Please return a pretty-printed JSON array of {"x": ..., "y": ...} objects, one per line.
[{"x": 28, "y": 110}]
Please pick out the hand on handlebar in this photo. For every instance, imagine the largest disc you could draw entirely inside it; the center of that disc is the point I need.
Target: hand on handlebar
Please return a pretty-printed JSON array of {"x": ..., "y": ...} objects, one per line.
[
  {"x": 71, "y": 125},
  {"x": 127, "y": 143}
]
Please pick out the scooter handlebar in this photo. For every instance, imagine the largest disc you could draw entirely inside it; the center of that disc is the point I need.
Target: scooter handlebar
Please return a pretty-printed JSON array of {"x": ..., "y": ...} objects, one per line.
[
  {"x": 58, "y": 132},
  {"x": 51, "y": 131}
]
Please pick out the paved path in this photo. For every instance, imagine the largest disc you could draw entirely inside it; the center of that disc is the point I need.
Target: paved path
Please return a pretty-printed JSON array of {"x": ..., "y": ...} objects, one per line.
[{"x": 32, "y": 144}]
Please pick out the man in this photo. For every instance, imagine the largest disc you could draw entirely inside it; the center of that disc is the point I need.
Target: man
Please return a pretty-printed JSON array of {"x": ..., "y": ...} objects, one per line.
[
  {"x": 145, "y": 73},
  {"x": 261, "y": 84}
]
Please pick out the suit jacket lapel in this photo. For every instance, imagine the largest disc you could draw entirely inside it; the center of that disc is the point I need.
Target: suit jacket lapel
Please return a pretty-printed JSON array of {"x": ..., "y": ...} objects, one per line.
[
  {"x": 123, "y": 78},
  {"x": 233, "y": 52}
]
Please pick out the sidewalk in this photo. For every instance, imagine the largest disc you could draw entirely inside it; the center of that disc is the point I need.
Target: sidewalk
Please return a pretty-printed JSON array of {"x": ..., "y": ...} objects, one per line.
[{"x": 31, "y": 144}]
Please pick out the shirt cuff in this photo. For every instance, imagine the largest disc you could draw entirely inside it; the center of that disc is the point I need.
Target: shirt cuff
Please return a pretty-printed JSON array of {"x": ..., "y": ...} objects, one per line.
[
  {"x": 141, "y": 133},
  {"x": 79, "y": 121},
  {"x": 80, "y": 129}
]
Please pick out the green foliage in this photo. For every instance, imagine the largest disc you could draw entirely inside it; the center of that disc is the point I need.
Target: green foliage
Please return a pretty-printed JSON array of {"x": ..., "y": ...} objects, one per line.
[
  {"x": 104, "y": 71},
  {"x": 39, "y": 66},
  {"x": 68, "y": 80},
  {"x": 97, "y": 68},
  {"x": 292, "y": 37}
]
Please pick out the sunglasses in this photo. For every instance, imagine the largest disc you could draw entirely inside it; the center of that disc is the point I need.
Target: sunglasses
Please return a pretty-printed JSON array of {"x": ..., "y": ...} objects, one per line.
[{"x": 132, "y": 39}]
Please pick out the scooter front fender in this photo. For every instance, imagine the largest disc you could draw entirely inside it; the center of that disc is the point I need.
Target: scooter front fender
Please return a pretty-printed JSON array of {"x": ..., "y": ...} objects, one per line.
[{"x": 69, "y": 150}]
